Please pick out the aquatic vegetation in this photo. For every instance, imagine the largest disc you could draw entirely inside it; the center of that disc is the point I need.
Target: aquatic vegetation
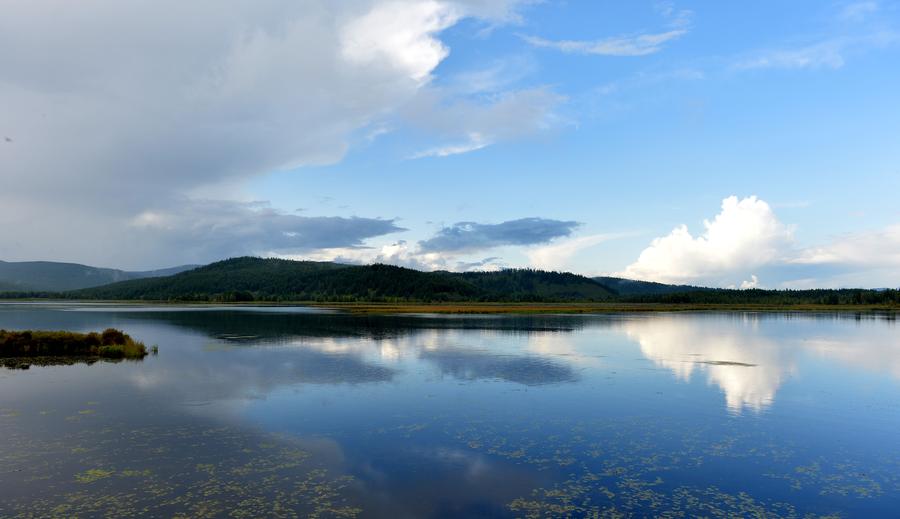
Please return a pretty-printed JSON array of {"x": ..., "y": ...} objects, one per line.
[
  {"x": 20, "y": 349},
  {"x": 618, "y": 468},
  {"x": 183, "y": 471}
]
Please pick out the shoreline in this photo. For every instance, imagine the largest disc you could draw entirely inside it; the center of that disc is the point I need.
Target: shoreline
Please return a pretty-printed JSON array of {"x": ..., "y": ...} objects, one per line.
[{"x": 495, "y": 307}]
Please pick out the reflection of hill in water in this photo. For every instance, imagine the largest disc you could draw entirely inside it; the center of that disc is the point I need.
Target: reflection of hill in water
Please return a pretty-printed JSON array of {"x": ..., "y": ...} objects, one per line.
[
  {"x": 279, "y": 325},
  {"x": 332, "y": 348}
]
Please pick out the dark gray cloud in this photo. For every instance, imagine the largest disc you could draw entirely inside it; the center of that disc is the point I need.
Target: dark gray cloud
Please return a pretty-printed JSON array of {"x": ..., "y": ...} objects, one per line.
[
  {"x": 206, "y": 230},
  {"x": 471, "y": 236}
]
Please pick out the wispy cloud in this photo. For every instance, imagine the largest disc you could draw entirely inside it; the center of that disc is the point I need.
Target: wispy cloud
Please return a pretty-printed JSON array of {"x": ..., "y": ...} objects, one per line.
[
  {"x": 678, "y": 23},
  {"x": 877, "y": 248},
  {"x": 470, "y": 124},
  {"x": 853, "y": 31},
  {"x": 826, "y": 54},
  {"x": 640, "y": 45},
  {"x": 556, "y": 256},
  {"x": 476, "y": 142}
]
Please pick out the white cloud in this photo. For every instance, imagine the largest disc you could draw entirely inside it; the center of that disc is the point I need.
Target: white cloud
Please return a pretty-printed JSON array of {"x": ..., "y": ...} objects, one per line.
[
  {"x": 861, "y": 259},
  {"x": 744, "y": 236},
  {"x": 472, "y": 124},
  {"x": 863, "y": 249},
  {"x": 398, "y": 253},
  {"x": 402, "y": 34},
  {"x": 640, "y": 45},
  {"x": 753, "y": 282},
  {"x": 746, "y": 246}
]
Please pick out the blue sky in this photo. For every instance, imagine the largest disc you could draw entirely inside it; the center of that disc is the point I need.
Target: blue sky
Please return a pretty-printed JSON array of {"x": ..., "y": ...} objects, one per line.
[{"x": 566, "y": 135}]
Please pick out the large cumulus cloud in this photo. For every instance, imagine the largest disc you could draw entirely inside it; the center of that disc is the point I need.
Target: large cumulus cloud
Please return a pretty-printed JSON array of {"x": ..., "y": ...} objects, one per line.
[
  {"x": 747, "y": 246},
  {"x": 745, "y": 236}
]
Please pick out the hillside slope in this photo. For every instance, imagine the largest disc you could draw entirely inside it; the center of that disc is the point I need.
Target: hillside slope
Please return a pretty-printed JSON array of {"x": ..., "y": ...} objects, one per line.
[{"x": 633, "y": 287}]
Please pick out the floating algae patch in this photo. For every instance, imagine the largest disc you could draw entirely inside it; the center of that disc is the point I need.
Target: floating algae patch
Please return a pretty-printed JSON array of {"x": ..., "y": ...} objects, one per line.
[
  {"x": 91, "y": 475},
  {"x": 844, "y": 478},
  {"x": 181, "y": 471}
]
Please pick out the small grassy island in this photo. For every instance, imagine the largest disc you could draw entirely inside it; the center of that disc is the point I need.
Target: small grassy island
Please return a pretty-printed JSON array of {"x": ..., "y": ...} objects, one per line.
[{"x": 21, "y": 349}]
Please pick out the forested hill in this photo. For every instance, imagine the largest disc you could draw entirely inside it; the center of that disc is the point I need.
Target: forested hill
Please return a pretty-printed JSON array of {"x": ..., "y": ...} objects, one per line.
[
  {"x": 247, "y": 279},
  {"x": 257, "y": 279}
]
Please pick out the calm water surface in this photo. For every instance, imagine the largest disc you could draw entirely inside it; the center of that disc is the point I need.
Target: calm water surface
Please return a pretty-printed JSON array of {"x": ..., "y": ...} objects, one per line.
[{"x": 280, "y": 412}]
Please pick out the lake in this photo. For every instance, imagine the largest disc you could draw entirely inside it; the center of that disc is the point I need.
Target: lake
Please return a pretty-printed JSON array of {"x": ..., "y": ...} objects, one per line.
[{"x": 284, "y": 412}]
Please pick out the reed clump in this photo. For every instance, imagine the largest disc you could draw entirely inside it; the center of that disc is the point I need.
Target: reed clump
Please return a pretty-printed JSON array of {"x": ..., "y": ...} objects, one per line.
[{"x": 108, "y": 344}]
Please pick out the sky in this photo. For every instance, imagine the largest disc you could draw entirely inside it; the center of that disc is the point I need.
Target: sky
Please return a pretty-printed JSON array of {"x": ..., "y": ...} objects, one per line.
[{"x": 709, "y": 143}]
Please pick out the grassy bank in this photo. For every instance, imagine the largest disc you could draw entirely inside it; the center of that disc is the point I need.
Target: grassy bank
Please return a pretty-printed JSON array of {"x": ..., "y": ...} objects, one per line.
[{"x": 17, "y": 348}]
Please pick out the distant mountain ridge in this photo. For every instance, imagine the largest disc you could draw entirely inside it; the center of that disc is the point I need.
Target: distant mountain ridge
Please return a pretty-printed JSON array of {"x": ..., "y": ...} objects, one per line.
[{"x": 54, "y": 276}]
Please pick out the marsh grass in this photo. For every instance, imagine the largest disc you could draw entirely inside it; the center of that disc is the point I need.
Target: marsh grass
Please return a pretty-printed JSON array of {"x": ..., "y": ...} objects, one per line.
[{"x": 20, "y": 349}]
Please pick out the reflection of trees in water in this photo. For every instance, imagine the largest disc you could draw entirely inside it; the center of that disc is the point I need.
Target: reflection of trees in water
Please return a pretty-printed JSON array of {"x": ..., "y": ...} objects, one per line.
[{"x": 275, "y": 325}]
